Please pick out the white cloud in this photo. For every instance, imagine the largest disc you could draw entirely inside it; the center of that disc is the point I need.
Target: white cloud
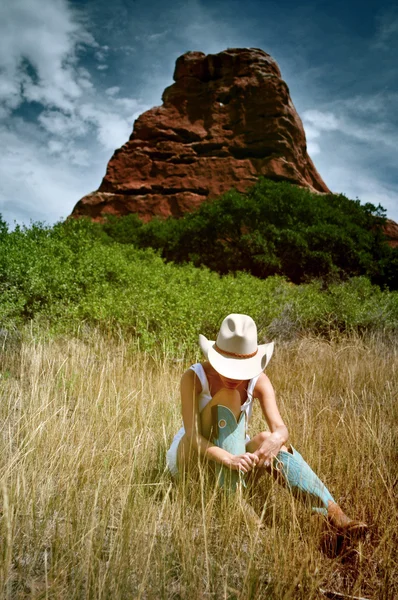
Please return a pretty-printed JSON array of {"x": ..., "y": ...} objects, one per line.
[
  {"x": 112, "y": 91},
  {"x": 38, "y": 52},
  {"x": 100, "y": 54},
  {"x": 363, "y": 129},
  {"x": 129, "y": 105},
  {"x": 47, "y": 167},
  {"x": 68, "y": 153},
  {"x": 378, "y": 105},
  {"x": 313, "y": 148},
  {"x": 387, "y": 29},
  {"x": 55, "y": 146},
  {"x": 358, "y": 182},
  {"x": 4, "y": 112},
  {"x": 49, "y": 164},
  {"x": 354, "y": 142},
  {"x": 64, "y": 125},
  {"x": 47, "y": 96},
  {"x": 43, "y": 182},
  {"x": 112, "y": 130},
  {"x": 154, "y": 37},
  {"x": 10, "y": 91},
  {"x": 321, "y": 121}
]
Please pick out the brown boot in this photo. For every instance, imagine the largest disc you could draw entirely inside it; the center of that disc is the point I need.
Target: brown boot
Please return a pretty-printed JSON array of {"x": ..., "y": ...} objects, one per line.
[
  {"x": 341, "y": 533},
  {"x": 339, "y": 521}
]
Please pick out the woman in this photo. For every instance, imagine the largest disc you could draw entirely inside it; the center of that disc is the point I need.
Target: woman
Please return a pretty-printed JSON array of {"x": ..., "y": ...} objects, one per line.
[{"x": 232, "y": 377}]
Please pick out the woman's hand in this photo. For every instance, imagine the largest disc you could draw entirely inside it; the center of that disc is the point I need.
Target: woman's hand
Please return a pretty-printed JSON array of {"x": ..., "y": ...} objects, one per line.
[
  {"x": 268, "y": 450},
  {"x": 242, "y": 462}
]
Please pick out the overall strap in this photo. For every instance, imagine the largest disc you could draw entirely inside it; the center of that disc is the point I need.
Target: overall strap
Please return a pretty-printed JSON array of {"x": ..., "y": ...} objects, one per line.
[
  {"x": 247, "y": 407},
  {"x": 200, "y": 372},
  {"x": 251, "y": 386}
]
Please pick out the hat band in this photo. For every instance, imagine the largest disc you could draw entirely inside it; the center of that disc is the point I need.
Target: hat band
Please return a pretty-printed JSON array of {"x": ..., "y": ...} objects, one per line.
[{"x": 235, "y": 354}]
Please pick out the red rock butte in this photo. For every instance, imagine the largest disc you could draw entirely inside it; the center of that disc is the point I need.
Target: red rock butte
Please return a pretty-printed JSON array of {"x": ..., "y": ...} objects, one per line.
[
  {"x": 391, "y": 232},
  {"x": 226, "y": 120}
]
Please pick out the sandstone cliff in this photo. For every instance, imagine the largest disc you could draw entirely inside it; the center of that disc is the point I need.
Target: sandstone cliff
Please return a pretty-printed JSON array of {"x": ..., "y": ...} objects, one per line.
[
  {"x": 226, "y": 120},
  {"x": 391, "y": 232}
]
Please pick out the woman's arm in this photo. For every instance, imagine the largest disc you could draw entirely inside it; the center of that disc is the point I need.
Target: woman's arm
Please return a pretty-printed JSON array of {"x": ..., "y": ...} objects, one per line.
[
  {"x": 190, "y": 415},
  {"x": 279, "y": 433}
]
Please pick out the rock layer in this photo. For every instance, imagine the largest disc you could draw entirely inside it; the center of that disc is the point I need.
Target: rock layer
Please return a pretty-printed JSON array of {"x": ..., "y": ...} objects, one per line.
[
  {"x": 391, "y": 231},
  {"x": 226, "y": 120}
]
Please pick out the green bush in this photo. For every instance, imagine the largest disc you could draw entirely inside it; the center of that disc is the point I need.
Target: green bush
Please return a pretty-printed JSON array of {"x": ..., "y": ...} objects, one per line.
[
  {"x": 73, "y": 276},
  {"x": 273, "y": 229}
]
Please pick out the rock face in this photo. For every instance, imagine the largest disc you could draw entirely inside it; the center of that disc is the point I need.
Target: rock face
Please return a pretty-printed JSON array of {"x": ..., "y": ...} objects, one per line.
[
  {"x": 226, "y": 120},
  {"x": 391, "y": 232}
]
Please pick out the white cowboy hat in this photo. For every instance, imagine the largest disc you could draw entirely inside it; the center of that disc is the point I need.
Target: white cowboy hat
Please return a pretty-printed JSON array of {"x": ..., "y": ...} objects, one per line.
[{"x": 235, "y": 354}]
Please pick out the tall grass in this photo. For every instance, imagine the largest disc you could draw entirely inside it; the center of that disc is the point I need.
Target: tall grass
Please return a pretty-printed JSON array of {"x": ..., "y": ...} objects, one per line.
[{"x": 88, "y": 510}]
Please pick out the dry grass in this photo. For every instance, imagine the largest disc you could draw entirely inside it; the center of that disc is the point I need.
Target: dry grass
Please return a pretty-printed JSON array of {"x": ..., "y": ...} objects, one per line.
[{"x": 88, "y": 511}]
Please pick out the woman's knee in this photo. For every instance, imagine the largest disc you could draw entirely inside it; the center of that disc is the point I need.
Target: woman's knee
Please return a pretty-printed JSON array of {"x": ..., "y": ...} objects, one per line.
[
  {"x": 257, "y": 440},
  {"x": 263, "y": 435}
]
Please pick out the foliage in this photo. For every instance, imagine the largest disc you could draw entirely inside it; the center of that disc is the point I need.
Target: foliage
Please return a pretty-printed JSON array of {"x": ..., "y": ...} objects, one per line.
[
  {"x": 273, "y": 229},
  {"x": 73, "y": 276}
]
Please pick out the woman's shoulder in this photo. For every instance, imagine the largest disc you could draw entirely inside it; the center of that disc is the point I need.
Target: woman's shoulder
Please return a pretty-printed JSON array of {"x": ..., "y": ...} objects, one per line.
[
  {"x": 262, "y": 380},
  {"x": 196, "y": 368},
  {"x": 192, "y": 377},
  {"x": 262, "y": 377}
]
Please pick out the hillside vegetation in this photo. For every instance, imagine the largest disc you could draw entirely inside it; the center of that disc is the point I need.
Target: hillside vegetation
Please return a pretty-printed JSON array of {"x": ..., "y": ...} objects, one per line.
[
  {"x": 73, "y": 276},
  {"x": 295, "y": 261},
  {"x": 273, "y": 229}
]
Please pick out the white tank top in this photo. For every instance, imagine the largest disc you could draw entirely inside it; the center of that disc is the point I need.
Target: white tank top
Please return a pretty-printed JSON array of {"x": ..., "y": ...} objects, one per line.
[{"x": 205, "y": 396}]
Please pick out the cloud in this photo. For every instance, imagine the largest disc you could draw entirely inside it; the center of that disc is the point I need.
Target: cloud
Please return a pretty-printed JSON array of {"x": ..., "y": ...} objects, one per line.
[
  {"x": 10, "y": 92},
  {"x": 112, "y": 91},
  {"x": 315, "y": 122},
  {"x": 52, "y": 160},
  {"x": 321, "y": 121},
  {"x": 112, "y": 129},
  {"x": 313, "y": 147},
  {"x": 128, "y": 105},
  {"x": 360, "y": 126},
  {"x": 63, "y": 125},
  {"x": 354, "y": 141},
  {"x": 387, "y": 30},
  {"x": 359, "y": 182},
  {"x": 101, "y": 54},
  {"x": 39, "y": 182},
  {"x": 67, "y": 153},
  {"x": 154, "y": 37},
  {"x": 47, "y": 166},
  {"x": 158, "y": 36},
  {"x": 39, "y": 43}
]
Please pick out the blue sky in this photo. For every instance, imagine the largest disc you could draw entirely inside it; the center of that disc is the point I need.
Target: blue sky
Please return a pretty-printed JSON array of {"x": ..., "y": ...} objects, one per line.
[{"x": 74, "y": 74}]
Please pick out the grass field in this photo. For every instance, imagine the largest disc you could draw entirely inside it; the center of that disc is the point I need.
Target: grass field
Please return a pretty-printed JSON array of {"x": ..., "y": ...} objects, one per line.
[{"x": 88, "y": 510}]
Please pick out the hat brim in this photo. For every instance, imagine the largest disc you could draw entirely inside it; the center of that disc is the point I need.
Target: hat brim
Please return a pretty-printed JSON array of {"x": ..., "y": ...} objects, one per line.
[{"x": 236, "y": 368}]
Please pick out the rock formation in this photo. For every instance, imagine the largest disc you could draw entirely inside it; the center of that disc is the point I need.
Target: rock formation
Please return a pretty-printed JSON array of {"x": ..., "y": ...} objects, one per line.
[
  {"x": 391, "y": 232},
  {"x": 226, "y": 120}
]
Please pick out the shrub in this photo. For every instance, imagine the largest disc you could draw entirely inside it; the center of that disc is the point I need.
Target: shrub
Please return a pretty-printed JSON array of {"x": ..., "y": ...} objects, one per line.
[
  {"x": 73, "y": 276},
  {"x": 273, "y": 229}
]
